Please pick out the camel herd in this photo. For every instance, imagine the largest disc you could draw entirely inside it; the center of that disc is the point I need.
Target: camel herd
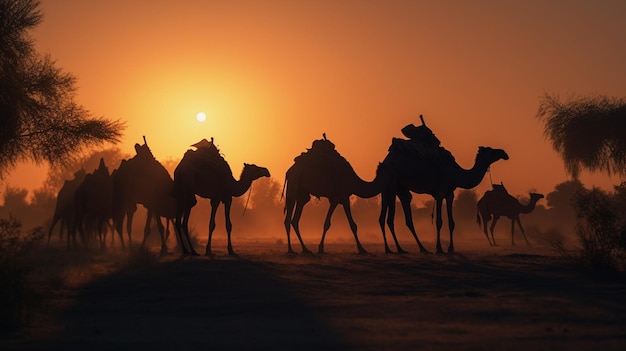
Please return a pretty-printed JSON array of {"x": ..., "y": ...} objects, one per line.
[{"x": 92, "y": 204}]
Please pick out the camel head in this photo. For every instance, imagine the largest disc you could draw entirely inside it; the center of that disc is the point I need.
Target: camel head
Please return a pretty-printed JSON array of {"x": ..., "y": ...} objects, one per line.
[
  {"x": 253, "y": 172},
  {"x": 535, "y": 196},
  {"x": 489, "y": 155}
]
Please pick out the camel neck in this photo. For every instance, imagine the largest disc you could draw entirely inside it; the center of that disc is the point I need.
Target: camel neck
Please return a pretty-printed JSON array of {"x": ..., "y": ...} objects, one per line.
[
  {"x": 470, "y": 178},
  {"x": 365, "y": 189},
  {"x": 528, "y": 208},
  {"x": 241, "y": 186}
]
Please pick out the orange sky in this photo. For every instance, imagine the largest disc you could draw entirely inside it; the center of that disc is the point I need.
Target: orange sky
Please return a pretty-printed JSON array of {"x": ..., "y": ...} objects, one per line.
[{"x": 274, "y": 75}]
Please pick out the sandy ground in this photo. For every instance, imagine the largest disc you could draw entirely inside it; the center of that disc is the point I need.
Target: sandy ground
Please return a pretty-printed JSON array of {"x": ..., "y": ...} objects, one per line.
[{"x": 480, "y": 298}]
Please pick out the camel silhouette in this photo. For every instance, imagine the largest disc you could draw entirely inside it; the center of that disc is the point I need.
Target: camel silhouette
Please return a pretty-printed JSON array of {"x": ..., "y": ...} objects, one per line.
[
  {"x": 93, "y": 206},
  {"x": 499, "y": 203},
  {"x": 323, "y": 172},
  {"x": 421, "y": 166},
  {"x": 64, "y": 211},
  {"x": 142, "y": 180},
  {"x": 205, "y": 173}
]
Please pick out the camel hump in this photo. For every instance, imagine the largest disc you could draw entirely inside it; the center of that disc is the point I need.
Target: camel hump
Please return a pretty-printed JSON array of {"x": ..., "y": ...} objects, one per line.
[
  {"x": 322, "y": 152},
  {"x": 208, "y": 158},
  {"x": 421, "y": 151},
  {"x": 323, "y": 145},
  {"x": 499, "y": 188}
]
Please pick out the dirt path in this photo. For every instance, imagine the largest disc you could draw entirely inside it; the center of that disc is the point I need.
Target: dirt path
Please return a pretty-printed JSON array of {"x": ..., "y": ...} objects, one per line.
[{"x": 524, "y": 299}]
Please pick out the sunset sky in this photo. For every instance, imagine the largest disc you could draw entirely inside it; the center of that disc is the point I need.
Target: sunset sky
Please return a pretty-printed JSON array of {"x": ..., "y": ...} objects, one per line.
[{"x": 272, "y": 76}]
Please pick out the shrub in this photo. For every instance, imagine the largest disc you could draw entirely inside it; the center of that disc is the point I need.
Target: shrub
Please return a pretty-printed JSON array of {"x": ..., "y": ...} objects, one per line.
[
  {"x": 601, "y": 228},
  {"x": 17, "y": 298},
  {"x": 140, "y": 258}
]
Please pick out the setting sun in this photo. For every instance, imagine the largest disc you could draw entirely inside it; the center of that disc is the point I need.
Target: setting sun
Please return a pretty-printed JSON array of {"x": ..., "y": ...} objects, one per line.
[{"x": 201, "y": 116}]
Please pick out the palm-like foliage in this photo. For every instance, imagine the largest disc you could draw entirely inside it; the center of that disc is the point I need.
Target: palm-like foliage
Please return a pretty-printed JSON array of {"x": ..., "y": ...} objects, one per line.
[
  {"x": 587, "y": 132},
  {"x": 39, "y": 119}
]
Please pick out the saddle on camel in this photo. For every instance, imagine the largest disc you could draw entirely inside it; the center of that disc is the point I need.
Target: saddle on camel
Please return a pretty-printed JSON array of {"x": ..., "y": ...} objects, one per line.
[
  {"x": 207, "y": 156},
  {"x": 422, "y": 144},
  {"x": 322, "y": 154}
]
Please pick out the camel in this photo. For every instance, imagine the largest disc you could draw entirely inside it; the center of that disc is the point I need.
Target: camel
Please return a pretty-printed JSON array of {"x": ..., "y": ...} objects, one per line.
[
  {"x": 497, "y": 203},
  {"x": 204, "y": 172},
  {"x": 64, "y": 209},
  {"x": 93, "y": 210},
  {"x": 323, "y": 172},
  {"x": 421, "y": 166},
  {"x": 142, "y": 180}
]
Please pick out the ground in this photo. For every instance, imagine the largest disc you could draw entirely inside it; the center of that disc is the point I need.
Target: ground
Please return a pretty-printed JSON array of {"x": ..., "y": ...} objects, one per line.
[{"x": 480, "y": 298}]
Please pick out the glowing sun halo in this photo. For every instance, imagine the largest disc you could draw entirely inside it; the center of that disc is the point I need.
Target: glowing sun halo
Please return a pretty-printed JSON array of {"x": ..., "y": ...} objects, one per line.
[{"x": 201, "y": 116}]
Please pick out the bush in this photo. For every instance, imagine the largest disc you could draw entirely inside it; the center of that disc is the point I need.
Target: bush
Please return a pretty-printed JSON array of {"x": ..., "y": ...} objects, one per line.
[
  {"x": 140, "y": 258},
  {"x": 601, "y": 228},
  {"x": 17, "y": 299}
]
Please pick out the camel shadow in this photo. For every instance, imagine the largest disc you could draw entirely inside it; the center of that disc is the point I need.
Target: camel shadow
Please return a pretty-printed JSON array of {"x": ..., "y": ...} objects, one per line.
[{"x": 229, "y": 303}]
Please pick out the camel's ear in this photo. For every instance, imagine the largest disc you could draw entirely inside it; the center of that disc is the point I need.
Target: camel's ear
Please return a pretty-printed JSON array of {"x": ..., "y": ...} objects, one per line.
[{"x": 245, "y": 164}]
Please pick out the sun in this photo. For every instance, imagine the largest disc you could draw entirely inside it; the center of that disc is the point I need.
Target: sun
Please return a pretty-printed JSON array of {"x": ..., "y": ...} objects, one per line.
[{"x": 201, "y": 116}]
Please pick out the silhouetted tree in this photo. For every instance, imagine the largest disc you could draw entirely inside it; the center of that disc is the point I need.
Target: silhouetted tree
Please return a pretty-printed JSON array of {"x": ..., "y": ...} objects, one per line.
[
  {"x": 39, "y": 119},
  {"x": 587, "y": 132},
  {"x": 465, "y": 205}
]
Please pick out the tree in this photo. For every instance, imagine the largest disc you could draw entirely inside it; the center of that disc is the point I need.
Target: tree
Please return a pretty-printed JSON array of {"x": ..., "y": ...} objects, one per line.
[
  {"x": 39, "y": 119},
  {"x": 587, "y": 132},
  {"x": 465, "y": 205}
]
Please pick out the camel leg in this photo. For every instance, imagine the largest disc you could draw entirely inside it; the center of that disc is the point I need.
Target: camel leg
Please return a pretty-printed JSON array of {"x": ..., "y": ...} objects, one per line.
[
  {"x": 485, "y": 219},
  {"x": 439, "y": 223},
  {"x": 119, "y": 228},
  {"x": 405, "y": 201},
  {"x": 184, "y": 234},
  {"x": 129, "y": 227},
  {"x": 381, "y": 221},
  {"x": 192, "y": 250},
  {"x": 168, "y": 223},
  {"x": 519, "y": 223},
  {"x": 329, "y": 214},
  {"x": 101, "y": 234},
  {"x": 178, "y": 231},
  {"x": 449, "y": 202},
  {"x": 229, "y": 225},
  {"x": 295, "y": 222},
  {"x": 215, "y": 204},
  {"x": 391, "y": 205},
  {"x": 353, "y": 226},
  {"x": 290, "y": 203},
  {"x": 146, "y": 229},
  {"x": 81, "y": 232},
  {"x": 163, "y": 234},
  {"x": 492, "y": 227}
]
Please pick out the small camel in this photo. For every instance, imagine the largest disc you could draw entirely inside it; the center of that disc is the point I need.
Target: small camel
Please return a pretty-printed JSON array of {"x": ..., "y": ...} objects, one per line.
[
  {"x": 205, "y": 173},
  {"x": 499, "y": 203},
  {"x": 64, "y": 210},
  {"x": 322, "y": 172}
]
